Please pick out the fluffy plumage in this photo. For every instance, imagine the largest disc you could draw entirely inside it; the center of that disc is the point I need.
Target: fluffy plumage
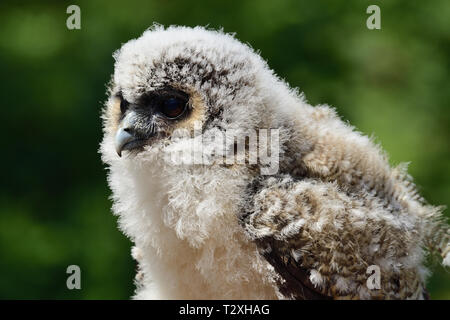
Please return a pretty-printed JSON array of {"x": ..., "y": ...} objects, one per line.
[{"x": 220, "y": 231}]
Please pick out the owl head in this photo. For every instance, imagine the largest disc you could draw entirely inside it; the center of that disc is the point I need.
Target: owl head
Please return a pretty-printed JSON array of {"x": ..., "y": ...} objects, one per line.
[{"x": 189, "y": 80}]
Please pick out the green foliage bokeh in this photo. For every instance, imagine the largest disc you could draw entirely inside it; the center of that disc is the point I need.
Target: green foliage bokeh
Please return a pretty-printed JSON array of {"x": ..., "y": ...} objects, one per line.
[{"x": 54, "y": 201}]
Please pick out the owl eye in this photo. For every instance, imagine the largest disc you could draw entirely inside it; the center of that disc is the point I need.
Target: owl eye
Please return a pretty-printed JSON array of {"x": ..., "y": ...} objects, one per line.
[
  {"x": 173, "y": 107},
  {"x": 123, "y": 105}
]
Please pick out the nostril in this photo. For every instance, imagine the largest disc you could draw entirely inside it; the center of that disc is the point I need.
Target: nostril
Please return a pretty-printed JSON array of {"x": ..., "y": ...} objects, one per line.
[{"x": 130, "y": 131}]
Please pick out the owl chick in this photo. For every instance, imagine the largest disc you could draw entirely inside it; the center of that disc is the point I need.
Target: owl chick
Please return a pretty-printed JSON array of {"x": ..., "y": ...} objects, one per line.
[{"x": 308, "y": 224}]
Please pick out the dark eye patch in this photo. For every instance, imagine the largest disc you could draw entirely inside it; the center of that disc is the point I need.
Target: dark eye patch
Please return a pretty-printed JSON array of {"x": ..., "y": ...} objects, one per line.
[{"x": 124, "y": 104}]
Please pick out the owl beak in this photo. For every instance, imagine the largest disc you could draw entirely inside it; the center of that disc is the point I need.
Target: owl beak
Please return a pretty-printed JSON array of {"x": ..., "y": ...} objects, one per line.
[{"x": 123, "y": 138}]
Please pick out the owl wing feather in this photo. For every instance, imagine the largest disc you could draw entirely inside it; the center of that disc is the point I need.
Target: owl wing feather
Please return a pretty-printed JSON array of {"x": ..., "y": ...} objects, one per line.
[
  {"x": 295, "y": 279},
  {"x": 320, "y": 240}
]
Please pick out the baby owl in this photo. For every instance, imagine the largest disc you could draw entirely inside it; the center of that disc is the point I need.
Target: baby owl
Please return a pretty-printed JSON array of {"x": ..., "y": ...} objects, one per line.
[{"x": 309, "y": 221}]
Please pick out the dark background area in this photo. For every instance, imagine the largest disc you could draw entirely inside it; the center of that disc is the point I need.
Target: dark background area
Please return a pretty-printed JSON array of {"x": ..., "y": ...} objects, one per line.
[{"x": 54, "y": 207}]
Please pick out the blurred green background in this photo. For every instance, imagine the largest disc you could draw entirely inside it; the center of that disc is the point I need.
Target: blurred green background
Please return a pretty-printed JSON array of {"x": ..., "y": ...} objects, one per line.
[{"x": 54, "y": 207}]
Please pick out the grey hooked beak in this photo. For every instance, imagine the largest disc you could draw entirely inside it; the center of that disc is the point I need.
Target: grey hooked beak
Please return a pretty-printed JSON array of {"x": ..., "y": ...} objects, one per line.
[{"x": 123, "y": 136}]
